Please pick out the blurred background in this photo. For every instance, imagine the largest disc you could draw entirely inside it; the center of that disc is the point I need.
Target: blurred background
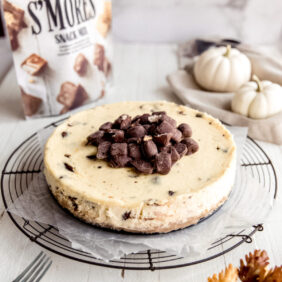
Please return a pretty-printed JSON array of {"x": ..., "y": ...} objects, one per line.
[{"x": 251, "y": 21}]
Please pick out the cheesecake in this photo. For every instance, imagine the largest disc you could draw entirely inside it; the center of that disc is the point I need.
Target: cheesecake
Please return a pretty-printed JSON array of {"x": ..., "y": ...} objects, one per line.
[{"x": 123, "y": 197}]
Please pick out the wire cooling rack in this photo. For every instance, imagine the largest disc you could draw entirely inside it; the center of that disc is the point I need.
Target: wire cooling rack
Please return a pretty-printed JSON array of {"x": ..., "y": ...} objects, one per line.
[{"x": 27, "y": 161}]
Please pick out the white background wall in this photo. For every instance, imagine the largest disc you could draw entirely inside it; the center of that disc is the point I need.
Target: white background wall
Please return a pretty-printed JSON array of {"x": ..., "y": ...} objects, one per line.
[{"x": 252, "y": 21}]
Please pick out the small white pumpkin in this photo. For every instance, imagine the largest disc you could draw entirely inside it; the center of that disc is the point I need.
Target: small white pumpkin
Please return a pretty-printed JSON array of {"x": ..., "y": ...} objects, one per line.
[
  {"x": 222, "y": 69},
  {"x": 258, "y": 99}
]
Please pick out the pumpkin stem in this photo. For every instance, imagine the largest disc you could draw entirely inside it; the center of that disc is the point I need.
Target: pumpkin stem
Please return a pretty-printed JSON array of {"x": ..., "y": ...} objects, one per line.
[
  {"x": 228, "y": 48},
  {"x": 258, "y": 82}
]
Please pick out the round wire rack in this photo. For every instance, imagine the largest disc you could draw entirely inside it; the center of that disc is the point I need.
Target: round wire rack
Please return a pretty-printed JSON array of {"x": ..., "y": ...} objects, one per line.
[{"x": 26, "y": 161}]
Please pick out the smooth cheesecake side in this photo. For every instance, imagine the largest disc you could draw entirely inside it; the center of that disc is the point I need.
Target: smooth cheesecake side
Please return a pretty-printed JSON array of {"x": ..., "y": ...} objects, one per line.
[{"x": 120, "y": 198}]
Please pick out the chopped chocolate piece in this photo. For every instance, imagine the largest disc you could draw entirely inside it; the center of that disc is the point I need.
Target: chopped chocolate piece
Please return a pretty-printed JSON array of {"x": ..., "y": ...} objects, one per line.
[
  {"x": 170, "y": 193},
  {"x": 170, "y": 120},
  {"x": 116, "y": 135},
  {"x": 144, "y": 119},
  {"x": 91, "y": 157},
  {"x": 185, "y": 129},
  {"x": 147, "y": 127},
  {"x": 191, "y": 144},
  {"x": 135, "y": 118},
  {"x": 176, "y": 135},
  {"x": 163, "y": 162},
  {"x": 136, "y": 131},
  {"x": 119, "y": 161},
  {"x": 175, "y": 156},
  {"x": 119, "y": 149},
  {"x": 64, "y": 134},
  {"x": 34, "y": 64},
  {"x": 154, "y": 118},
  {"x": 126, "y": 215},
  {"x": 123, "y": 122},
  {"x": 134, "y": 151},
  {"x": 100, "y": 59},
  {"x": 67, "y": 155},
  {"x": 69, "y": 167},
  {"x": 149, "y": 149},
  {"x": 96, "y": 138},
  {"x": 134, "y": 140},
  {"x": 80, "y": 64},
  {"x": 181, "y": 149},
  {"x": 106, "y": 126},
  {"x": 165, "y": 127},
  {"x": 31, "y": 104},
  {"x": 103, "y": 150},
  {"x": 152, "y": 129},
  {"x": 162, "y": 139},
  {"x": 198, "y": 115},
  {"x": 143, "y": 166},
  {"x": 72, "y": 96},
  {"x": 99, "y": 166}
]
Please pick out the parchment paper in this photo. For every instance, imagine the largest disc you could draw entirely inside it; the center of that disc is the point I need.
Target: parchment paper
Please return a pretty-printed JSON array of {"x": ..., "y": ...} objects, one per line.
[{"x": 249, "y": 204}]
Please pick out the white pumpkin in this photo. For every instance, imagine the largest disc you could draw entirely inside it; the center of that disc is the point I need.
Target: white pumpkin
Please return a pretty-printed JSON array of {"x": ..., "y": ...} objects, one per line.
[
  {"x": 222, "y": 69},
  {"x": 258, "y": 99}
]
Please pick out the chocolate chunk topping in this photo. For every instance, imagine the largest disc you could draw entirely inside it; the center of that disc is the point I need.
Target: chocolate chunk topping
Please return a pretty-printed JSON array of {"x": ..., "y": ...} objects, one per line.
[
  {"x": 103, "y": 150},
  {"x": 119, "y": 161},
  {"x": 143, "y": 166},
  {"x": 126, "y": 215},
  {"x": 116, "y": 135},
  {"x": 119, "y": 149},
  {"x": 191, "y": 145},
  {"x": 162, "y": 139},
  {"x": 149, "y": 142},
  {"x": 175, "y": 156},
  {"x": 181, "y": 149},
  {"x": 163, "y": 162},
  {"x": 176, "y": 135},
  {"x": 106, "y": 126},
  {"x": 136, "y": 131},
  {"x": 150, "y": 149},
  {"x": 144, "y": 119},
  {"x": 185, "y": 129},
  {"x": 123, "y": 122},
  {"x": 165, "y": 127},
  {"x": 170, "y": 120},
  {"x": 134, "y": 151},
  {"x": 69, "y": 167},
  {"x": 95, "y": 138}
]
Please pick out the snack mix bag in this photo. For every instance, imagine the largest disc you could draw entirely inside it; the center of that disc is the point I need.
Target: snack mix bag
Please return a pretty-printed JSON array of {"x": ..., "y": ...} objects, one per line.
[{"x": 61, "y": 52}]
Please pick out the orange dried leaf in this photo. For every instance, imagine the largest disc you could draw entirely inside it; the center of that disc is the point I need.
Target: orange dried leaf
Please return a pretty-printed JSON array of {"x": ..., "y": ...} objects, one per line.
[
  {"x": 230, "y": 274},
  {"x": 255, "y": 267}
]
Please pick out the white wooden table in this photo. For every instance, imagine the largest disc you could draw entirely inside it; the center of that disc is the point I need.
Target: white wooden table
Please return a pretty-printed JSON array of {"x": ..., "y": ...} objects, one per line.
[{"x": 140, "y": 72}]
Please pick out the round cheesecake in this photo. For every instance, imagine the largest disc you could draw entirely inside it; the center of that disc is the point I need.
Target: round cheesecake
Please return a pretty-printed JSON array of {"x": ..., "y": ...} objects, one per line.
[{"x": 123, "y": 199}]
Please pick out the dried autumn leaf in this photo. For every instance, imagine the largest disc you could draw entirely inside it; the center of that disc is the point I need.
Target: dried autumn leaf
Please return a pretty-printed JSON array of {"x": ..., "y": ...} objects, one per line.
[
  {"x": 255, "y": 267},
  {"x": 274, "y": 275},
  {"x": 230, "y": 274}
]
